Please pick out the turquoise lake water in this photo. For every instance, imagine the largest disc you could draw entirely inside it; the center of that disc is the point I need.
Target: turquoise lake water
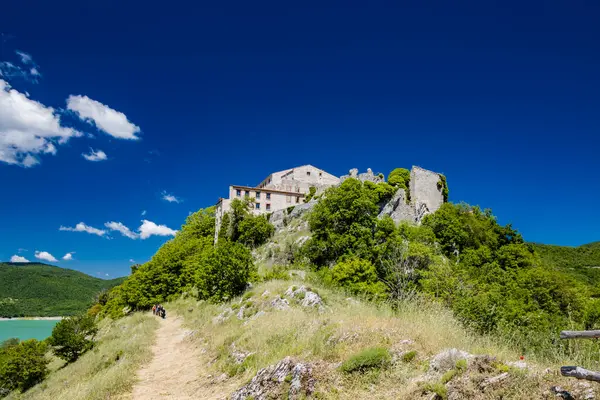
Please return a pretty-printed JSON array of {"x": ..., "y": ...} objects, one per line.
[{"x": 26, "y": 329}]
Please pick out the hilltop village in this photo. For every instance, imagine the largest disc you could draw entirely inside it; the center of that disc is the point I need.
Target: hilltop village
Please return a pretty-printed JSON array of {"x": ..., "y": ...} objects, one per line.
[{"x": 290, "y": 188}]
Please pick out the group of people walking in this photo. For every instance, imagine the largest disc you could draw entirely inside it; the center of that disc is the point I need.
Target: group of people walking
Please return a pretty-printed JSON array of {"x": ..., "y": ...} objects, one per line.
[{"x": 159, "y": 310}]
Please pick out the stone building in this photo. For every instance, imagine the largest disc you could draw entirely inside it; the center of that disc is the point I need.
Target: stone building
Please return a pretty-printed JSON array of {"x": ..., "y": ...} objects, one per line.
[{"x": 277, "y": 191}]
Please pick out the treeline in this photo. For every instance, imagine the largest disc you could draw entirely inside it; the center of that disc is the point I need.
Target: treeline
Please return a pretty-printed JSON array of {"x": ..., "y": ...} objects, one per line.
[
  {"x": 191, "y": 262},
  {"x": 25, "y": 364},
  {"x": 40, "y": 290},
  {"x": 493, "y": 281}
]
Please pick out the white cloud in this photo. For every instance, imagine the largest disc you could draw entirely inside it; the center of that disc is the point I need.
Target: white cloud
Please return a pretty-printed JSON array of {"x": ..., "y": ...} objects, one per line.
[
  {"x": 28, "y": 128},
  {"x": 34, "y": 71},
  {"x": 68, "y": 256},
  {"x": 25, "y": 58},
  {"x": 170, "y": 198},
  {"x": 95, "y": 155},
  {"x": 131, "y": 260},
  {"x": 111, "y": 121},
  {"x": 124, "y": 230},
  {"x": 18, "y": 259},
  {"x": 143, "y": 213},
  {"x": 44, "y": 255},
  {"x": 82, "y": 227},
  {"x": 149, "y": 228}
]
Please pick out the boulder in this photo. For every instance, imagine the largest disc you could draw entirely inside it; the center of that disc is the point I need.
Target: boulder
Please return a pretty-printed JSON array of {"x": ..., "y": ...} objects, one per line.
[{"x": 286, "y": 379}]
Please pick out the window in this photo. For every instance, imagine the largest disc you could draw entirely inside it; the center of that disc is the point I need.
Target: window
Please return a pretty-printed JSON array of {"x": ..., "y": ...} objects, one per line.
[
  {"x": 307, "y": 173},
  {"x": 320, "y": 174},
  {"x": 238, "y": 193},
  {"x": 258, "y": 195},
  {"x": 246, "y": 193},
  {"x": 258, "y": 206},
  {"x": 268, "y": 207},
  {"x": 268, "y": 196}
]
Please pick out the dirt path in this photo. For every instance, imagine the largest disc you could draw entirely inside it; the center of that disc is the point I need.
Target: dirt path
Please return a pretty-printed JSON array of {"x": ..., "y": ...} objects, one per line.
[{"x": 174, "y": 370}]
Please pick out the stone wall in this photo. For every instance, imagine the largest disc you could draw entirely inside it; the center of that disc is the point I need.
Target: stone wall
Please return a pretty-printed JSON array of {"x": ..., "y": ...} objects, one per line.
[{"x": 425, "y": 192}]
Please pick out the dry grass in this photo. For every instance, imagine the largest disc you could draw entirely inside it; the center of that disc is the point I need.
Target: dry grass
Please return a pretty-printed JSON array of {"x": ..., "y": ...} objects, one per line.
[
  {"x": 106, "y": 372},
  {"x": 344, "y": 328}
]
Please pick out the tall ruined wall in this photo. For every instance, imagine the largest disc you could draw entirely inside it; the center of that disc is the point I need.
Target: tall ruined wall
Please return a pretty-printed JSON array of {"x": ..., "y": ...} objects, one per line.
[{"x": 426, "y": 193}]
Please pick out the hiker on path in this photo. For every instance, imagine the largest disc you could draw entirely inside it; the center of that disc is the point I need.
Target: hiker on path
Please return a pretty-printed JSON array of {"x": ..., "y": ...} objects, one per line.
[{"x": 154, "y": 309}]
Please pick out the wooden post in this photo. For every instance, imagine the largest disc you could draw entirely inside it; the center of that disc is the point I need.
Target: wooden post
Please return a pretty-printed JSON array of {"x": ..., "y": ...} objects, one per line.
[
  {"x": 580, "y": 334},
  {"x": 580, "y": 373}
]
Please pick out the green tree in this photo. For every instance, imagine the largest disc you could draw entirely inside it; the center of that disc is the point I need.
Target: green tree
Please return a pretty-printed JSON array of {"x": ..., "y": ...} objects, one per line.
[
  {"x": 358, "y": 276},
  {"x": 343, "y": 222},
  {"x": 22, "y": 366},
  {"x": 255, "y": 230},
  {"x": 222, "y": 272},
  {"x": 73, "y": 336}
]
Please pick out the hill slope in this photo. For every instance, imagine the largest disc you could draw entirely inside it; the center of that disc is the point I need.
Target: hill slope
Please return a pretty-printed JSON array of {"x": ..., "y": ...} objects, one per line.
[
  {"x": 582, "y": 262},
  {"x": 40, "y": 290}
]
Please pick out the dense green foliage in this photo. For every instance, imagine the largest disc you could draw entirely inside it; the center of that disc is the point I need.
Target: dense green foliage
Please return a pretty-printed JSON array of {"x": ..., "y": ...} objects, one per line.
[
  {"x": 582, "y": 262},
  {"x": 22, "y": 365},
  {"x": 40, "y": 290},
  {"x": 191, "y": 262},
  {"x": 485, "y": 272},
  {"x": 358, "y": 276},
  {"x": 373, "y": 358},
  {"x": 73, "y": 336}
]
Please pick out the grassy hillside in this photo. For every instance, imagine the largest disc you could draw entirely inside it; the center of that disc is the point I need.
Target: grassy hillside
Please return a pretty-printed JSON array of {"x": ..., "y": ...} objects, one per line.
[
  {"x": 582, "y": 262},
  {"x": 40, "y": 290}
]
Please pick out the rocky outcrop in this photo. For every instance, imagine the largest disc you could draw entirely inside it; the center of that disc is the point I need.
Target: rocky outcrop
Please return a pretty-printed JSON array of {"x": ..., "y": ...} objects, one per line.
[
  {"x": 398, "y": 209},
  {"x": 368, "y": 176},
  {"x": 287, "y": 379},
  {"x": 305, "y": 296}
]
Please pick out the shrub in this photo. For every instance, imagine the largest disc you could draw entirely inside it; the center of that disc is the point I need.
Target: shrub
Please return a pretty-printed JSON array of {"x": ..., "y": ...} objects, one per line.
[
  {"x": 222, "y": 272},
  {"x": 358, "y": 276},
  {"x": 437, "y": 388},
  {"x": 409, "y": 356},
  {"x": 373, "y": 358},
  {"x": 22, "y": 365},
  {"x": 254, "y": 231},
  {"x": 277, "y": 272},
  {"x": 73, "y": 336}
]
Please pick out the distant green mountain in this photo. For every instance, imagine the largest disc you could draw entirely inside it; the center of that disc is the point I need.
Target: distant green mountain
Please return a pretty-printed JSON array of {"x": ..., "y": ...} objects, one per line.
[
  {"x": 582, "y": 262},
  {"x": 41, "y": 290}
]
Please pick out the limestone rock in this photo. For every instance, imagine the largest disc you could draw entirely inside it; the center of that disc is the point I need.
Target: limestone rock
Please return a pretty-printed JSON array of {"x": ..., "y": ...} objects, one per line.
[
  {"x": 301, "y": 209},
  {"x": 271, "y": 382},
  {"x": 277, "y": 219},
  {"x": 280, "y": 304},
  {"x": 446, "y": 360},
  {"x": 306, "y": 297}
]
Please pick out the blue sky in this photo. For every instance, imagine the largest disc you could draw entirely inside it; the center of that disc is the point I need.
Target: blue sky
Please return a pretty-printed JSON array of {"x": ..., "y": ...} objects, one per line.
[{"x": 185, "y": 98}]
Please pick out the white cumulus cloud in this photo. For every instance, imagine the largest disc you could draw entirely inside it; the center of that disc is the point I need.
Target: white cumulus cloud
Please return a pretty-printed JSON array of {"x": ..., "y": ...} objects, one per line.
[
  {"x": 28, "y": 128},
  {"x": 170, "y": 198},
  {"x": 111, "y": 121},
  {"x": 82, "y": 227},
  {"x": 95, "y": 155},
  {"x": 68, "y": 256},
  {"x": 120, "y": 227},
  {"x": 44, "y": 255},
  {"x": 149, "y": 228},
  {"x": 18, "y": 259}
]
